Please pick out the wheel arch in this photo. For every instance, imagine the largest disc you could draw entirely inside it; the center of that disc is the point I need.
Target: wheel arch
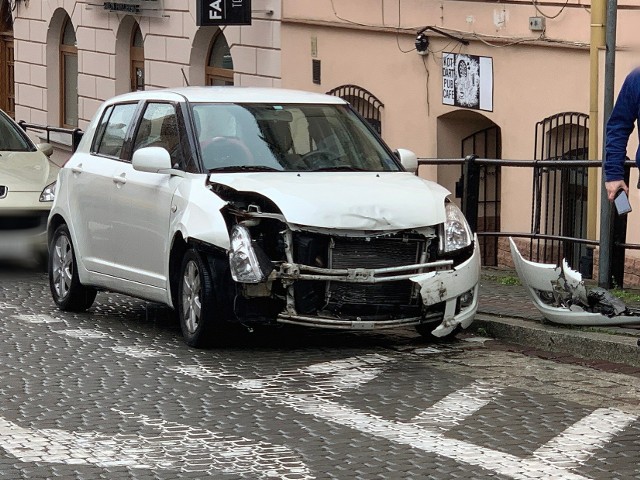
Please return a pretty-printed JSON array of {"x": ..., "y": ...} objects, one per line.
[
  {"x": 54, "y": 222},
  {"x": 179, "y": 245}
]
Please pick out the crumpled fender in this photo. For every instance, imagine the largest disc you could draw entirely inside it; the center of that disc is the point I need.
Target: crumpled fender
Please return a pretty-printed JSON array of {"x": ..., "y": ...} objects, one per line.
[
  {"x": 199, "y": 215},
  {"x": 446, "y": 286},
  {"x": 541, "y": 277}
]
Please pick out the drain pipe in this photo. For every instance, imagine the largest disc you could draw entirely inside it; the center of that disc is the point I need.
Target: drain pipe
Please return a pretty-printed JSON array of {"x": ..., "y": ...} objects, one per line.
[
  {"x": 606, "y": 211},
  {"x": 598, "y": 18}
]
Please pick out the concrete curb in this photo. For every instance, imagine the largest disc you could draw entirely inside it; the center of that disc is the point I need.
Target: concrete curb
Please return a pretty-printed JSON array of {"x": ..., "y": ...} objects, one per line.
[{"x": 588, "y": 345}]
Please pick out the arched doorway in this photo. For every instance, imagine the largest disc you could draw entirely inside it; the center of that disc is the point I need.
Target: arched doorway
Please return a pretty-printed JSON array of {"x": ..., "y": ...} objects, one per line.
[
  {"x": 7, "y": 84},
  {"x": 219, "y": 68},
  {"x": 62, "y": 71},
  {"x": 560, "y": 195},
  {"x": 69, "y": 76},
  {"x": 364, "y": 102},
  {"x": 136, "y": 54},
  {"x": 462, "y": 133}
]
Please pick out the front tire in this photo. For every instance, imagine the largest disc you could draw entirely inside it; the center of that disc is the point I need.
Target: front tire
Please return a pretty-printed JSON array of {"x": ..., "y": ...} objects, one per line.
[
  {"x": 67, "y": 291},
  {"x": 196, "y": 301}
]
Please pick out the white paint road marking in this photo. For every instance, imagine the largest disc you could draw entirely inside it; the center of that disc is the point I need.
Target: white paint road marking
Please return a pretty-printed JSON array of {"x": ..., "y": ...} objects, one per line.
[
  {"x": 37, "y": 319},
  {"x": 140, "y": 352},
  {"x": 319, "y": 401},
  {"x": 176, "y": 447},
  {"x": 83, "y": 333},
  {"x": 456, "y": 407},
  {"x": 580, "y": 441},
  {"x": 424, "y": 439}
]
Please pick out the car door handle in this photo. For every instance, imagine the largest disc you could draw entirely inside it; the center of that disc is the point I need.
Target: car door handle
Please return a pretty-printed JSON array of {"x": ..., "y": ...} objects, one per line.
[{"x": 120, "y": 179}]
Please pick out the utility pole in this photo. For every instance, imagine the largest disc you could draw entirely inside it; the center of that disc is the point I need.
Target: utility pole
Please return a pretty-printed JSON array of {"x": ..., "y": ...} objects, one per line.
[
  {"x": 598, "y": 18},
  {"x": 606, "y": 211}
]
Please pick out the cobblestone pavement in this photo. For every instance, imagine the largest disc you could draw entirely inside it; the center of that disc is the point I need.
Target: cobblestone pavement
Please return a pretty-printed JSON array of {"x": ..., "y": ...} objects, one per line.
[{"x": 115, "y": 393}]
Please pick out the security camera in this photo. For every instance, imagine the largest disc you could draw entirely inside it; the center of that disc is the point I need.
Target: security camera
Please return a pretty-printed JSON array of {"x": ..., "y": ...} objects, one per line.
[{"x": 422, "y": 44}]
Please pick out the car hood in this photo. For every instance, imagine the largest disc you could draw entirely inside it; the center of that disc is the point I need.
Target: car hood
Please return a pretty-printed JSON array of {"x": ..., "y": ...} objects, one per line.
[
  {"x": 26, "y": 171},
  {"x": 346, "y": 200}
]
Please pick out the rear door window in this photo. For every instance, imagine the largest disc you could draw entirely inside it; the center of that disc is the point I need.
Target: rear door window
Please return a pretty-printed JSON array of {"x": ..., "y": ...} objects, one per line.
[{"x": 112, "y": 130}]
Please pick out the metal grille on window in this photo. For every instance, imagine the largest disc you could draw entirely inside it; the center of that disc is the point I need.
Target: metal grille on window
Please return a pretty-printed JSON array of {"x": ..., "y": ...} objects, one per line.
[
  {"x": 364, "y": 102},
  {"x": 560, "y": 195}
]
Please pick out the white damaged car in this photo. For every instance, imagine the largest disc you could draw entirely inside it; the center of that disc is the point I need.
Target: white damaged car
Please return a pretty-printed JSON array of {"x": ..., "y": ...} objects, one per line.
[{"x": 257, "y": 206}]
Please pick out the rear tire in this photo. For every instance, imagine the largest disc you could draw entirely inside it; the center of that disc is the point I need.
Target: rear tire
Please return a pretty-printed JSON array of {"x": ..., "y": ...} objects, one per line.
[
  {"x": 67, "y": 291},
  {"x": 197, "y": 306}
]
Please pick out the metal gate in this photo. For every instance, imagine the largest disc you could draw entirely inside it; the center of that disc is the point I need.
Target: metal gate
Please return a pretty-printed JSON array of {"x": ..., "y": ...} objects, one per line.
[
  {"x": 364, "y": 102},
  {"x": 560, "y": 195},
  {"x": 487, "y": 143}
]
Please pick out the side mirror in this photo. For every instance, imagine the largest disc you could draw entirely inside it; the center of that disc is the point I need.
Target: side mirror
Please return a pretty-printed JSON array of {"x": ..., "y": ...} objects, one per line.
[
  {"x": 408, "y": 159},
  {"x": 45, "y": 148},
  {"x": 151, "y": 160}
]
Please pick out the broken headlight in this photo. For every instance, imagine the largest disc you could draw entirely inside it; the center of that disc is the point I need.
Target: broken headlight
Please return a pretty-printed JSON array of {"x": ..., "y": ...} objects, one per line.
[
  {"x": 455, "y": 233},
  {"x": 247, "y": 261}
]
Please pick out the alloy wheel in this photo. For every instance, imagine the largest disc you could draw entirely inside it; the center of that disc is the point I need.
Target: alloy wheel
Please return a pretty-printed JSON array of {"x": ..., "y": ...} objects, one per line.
[
  {"x": 191, "y": 296},
  {"x": 62, "y": 263}
]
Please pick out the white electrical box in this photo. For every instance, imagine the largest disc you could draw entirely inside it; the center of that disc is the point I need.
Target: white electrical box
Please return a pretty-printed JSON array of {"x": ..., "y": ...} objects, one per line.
[{"x": 537, "y": 24}]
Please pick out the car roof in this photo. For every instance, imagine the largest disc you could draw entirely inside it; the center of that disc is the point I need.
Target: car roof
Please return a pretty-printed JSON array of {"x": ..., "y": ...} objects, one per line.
[{"x": 232, "y": 95}]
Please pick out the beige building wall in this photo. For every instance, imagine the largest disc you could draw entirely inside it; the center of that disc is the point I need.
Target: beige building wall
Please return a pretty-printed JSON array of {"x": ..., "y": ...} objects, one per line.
[
  {"x": 174, "y": 48},
  {"x": 536, "y": 74}
]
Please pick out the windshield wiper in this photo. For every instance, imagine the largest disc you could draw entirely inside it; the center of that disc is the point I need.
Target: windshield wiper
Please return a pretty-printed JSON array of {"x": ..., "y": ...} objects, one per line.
[
  {"x": 340, "y": 168},
  {"x": 245, "y": 168}
]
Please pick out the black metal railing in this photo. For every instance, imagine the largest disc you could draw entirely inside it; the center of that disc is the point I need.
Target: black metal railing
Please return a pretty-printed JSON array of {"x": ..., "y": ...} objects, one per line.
[
  {"x": 551, "y": 202},
  {"x": 74, "y": 133}
]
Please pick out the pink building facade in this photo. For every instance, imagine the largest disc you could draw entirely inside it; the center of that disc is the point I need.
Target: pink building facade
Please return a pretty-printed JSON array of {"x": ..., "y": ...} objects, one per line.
[
  {"x": 70, "y": 55},
  {"x": 487, "y": 82}
]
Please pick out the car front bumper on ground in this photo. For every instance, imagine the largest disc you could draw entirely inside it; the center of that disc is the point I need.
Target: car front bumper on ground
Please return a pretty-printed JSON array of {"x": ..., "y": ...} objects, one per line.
[{"x": 441, "y": 284}]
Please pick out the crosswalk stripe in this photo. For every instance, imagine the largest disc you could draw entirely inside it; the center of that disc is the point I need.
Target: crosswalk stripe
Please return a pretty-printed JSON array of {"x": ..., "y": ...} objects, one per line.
[
  {"x": 581, "y": 440},
  {"x": 453, "y": 409}
]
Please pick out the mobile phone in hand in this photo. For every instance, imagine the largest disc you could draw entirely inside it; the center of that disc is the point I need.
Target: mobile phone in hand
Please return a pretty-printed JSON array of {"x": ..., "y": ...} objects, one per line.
[{"x": 621, "y": 201}]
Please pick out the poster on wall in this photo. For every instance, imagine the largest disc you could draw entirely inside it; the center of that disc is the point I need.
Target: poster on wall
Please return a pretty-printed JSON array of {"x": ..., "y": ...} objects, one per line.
[
  {"x": 211, "y": 13},
  {"x": 467, "y": 81}
]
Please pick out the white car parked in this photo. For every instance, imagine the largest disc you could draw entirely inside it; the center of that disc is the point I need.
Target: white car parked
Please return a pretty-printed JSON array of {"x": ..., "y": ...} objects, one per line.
[
  {"x": 27, "y": 184},
  {"x": 257, "y": 206}
]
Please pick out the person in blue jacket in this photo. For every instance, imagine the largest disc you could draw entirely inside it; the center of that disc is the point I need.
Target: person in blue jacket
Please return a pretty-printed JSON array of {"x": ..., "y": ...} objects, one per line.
[{"x": 619, "y": 128}]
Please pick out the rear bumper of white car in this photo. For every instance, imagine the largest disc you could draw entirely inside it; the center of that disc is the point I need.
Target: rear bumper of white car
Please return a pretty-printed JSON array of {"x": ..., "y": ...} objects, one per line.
[{"x": 442, "y": 285}]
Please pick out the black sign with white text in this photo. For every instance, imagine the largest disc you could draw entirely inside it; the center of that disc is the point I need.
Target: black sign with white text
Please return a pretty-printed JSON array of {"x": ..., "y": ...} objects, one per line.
[{"x": 223, "y": 12}]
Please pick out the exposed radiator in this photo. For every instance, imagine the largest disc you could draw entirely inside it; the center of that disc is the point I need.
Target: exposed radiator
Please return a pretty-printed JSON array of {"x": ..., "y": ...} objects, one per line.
[{"x": 373, "y": 253}]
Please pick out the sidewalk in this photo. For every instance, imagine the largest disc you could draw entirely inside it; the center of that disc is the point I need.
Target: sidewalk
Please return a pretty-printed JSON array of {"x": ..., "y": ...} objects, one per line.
[{"x": 507, "y": 313}]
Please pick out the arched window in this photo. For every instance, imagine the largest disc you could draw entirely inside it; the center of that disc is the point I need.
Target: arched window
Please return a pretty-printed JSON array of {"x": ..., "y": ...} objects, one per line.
[
  {"x": 364, "y": 102},
  {"x": 561, "y": 194},
  {"x": 219, "y": 69},
  {"x": 68, "y": 76},
  {"x": 137, "y": 59},
  {"x": 7, "y": 86}
]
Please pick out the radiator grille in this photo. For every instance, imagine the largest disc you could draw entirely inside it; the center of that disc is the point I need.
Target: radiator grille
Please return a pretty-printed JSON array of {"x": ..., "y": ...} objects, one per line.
[{"x": 375, "y": 253}]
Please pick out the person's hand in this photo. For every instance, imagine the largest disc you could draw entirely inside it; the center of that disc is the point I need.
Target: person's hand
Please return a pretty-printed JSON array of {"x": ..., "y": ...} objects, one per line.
[{"x": 614, "y": 186}]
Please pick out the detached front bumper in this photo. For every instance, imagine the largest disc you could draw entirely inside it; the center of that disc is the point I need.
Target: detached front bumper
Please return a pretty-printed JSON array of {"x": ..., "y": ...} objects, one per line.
[{"x": 441, "y": 283}]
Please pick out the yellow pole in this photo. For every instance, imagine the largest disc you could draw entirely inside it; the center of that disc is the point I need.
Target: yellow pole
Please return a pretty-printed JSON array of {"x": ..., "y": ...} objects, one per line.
[{"x": 598, "y": 20}]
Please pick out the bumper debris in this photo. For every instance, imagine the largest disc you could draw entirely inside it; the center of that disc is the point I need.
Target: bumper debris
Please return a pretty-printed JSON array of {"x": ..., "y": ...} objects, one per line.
[{"x": 562, "y": 297}]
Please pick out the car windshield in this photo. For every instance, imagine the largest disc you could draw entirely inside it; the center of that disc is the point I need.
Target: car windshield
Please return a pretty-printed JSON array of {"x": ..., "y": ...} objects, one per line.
[
  {"x": 11, "y": 138},
  {"x": 259, "y": 137}
]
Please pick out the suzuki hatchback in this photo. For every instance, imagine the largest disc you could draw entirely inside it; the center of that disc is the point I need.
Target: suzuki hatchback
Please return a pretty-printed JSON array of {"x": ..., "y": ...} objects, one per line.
[{"x": 258, "y": 206}]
